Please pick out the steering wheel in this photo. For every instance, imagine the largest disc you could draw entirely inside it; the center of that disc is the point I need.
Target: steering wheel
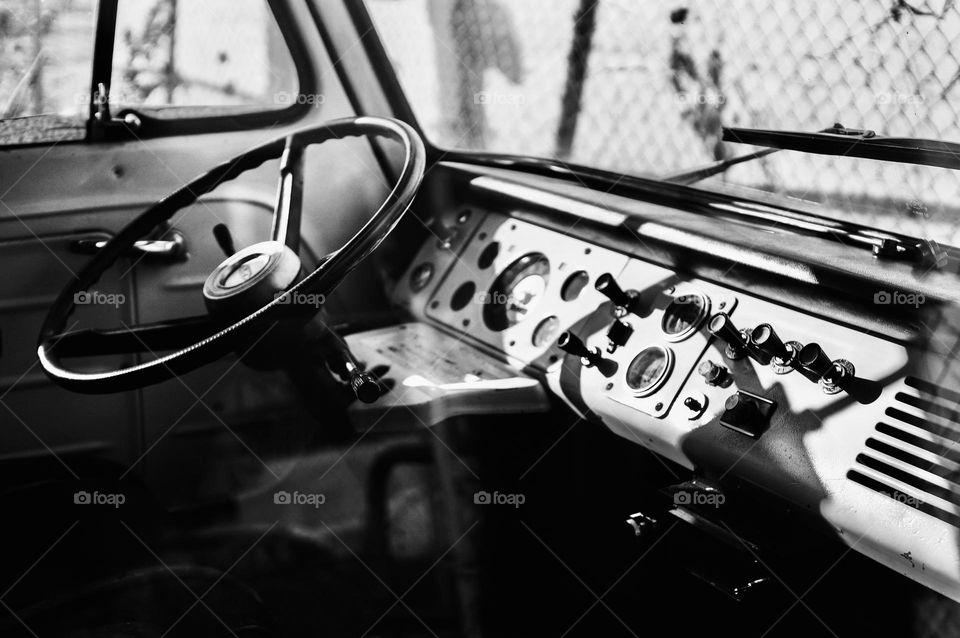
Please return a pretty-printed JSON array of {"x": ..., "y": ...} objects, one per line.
[{"x": 246, "y": 291}]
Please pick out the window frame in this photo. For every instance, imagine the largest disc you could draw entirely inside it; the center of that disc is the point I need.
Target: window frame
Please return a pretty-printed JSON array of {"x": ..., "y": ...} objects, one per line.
[{"x": 151, "y": 127}]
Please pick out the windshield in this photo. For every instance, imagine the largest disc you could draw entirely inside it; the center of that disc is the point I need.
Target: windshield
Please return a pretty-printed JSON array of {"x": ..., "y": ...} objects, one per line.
[{"x": 643, "y": 87}]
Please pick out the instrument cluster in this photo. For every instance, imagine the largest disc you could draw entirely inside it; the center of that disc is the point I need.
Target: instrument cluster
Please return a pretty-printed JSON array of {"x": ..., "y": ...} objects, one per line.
[{"x": 696, "y": 372}]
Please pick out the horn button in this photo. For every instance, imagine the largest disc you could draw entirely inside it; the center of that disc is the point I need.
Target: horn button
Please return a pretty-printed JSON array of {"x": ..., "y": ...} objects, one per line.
[{"x": 250, "y": 279}]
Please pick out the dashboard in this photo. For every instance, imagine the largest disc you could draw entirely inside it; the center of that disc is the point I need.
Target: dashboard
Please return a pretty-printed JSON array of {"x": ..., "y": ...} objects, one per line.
[{"x": 842, "y": 422}]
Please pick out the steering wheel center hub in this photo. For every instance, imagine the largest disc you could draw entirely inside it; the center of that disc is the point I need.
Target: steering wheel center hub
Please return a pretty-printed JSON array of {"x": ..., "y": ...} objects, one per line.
[{"x": 251, "y": 278}]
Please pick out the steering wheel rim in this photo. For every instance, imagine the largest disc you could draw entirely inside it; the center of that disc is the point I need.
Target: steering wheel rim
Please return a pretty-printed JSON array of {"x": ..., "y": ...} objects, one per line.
[{"x": 54, "y": 344}]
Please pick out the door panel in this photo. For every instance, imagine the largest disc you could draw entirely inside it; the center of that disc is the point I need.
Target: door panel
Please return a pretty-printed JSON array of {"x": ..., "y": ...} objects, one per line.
[{"x": 36, "y": 415}]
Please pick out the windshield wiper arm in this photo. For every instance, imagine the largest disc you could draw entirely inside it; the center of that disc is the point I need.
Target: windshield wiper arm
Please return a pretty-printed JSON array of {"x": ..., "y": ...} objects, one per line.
[
  {"x": 840, "y": 141},
  {"x": 692, "y": 176}
]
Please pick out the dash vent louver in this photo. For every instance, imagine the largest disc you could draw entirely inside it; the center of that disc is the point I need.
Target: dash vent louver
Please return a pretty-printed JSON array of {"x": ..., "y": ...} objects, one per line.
[{"x": 941, "y": 417}]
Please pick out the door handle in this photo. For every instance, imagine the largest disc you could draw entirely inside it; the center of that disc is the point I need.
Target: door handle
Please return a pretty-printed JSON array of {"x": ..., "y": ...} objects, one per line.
[{"x": 173, "y": 248}]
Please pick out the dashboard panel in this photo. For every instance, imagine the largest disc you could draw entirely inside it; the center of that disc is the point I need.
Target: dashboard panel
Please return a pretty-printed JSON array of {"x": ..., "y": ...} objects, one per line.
[{"x": 683, "y": 367}]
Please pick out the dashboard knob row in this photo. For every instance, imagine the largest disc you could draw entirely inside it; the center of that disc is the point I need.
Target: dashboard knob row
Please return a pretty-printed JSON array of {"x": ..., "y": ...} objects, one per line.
[
  {"x": 765, "y": 346},
  {"x": 762, "y": 344}
]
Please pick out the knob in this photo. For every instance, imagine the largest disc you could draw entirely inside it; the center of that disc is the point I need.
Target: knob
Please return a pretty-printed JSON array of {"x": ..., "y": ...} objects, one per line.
[
  {"x": 693, "y": 404},
  {"x": 714, "y": 374},
  {"x": 572, "y": 344},
  {"x": 608, "y": 287},
  {"x": 813, "y": 358},
  {"x": 766, "y": 339},
  {"x": 365, "y": 386},
  {"x": 221, "y": 233},
  {"x": 721, "y": 326}
]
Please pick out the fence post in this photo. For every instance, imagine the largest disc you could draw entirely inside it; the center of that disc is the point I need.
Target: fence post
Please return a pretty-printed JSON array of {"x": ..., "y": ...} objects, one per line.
[{"x": 584, "y": 25}]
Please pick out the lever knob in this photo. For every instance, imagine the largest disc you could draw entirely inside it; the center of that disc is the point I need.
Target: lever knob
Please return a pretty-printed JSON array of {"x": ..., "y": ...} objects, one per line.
[
  {"x": 365, "y": 386},
  {"x": 813, "y": 358},
  {"x": 572, "y": 344},
  {"x": 766, "y": 339},
  {"x": 221, "y": 233},
  {"x": 721, "y": 326},
  {"x": 608, "y": 287}
]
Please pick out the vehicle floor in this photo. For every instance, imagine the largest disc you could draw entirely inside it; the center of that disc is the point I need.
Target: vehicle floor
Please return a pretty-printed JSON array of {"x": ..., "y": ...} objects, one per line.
[{"x": 562, "y": 564}]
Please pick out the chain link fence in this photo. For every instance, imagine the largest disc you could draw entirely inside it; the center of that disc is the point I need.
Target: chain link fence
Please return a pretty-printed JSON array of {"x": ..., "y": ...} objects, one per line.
[{"x": 644, "y": 87}]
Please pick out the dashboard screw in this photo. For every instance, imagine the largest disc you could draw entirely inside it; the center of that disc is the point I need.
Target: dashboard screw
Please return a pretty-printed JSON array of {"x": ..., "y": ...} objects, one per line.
[
  {"x": 608, "y": 387},
  {"x": 723, "y": 304},
  {"x": 658, "y": 406}
]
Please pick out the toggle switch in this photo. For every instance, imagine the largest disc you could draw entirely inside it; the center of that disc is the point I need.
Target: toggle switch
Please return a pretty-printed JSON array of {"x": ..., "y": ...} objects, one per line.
[{"x": 618, "y": 334}]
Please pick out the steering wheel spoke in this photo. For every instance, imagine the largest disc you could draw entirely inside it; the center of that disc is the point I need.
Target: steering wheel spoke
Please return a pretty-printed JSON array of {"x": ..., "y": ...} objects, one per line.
[{"x": 287, "y": 211}]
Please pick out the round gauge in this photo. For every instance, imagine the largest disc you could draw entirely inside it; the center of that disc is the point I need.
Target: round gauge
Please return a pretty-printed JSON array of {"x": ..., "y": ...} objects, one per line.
[
  {"x": 546, "y": 331},
  {"x": 683, "y": 316},
  {"x": 574, "y": 285},
  {"x": 649, "y": 369},
  {"x": 516, "y": 291}
]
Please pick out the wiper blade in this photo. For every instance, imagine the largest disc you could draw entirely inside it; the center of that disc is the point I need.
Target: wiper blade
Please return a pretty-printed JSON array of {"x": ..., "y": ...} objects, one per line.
[{"x": 864, "y": 144}]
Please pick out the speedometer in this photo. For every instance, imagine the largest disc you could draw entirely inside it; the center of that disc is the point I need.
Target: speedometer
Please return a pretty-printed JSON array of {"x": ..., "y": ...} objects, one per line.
[{"x": 516, "y": 291}]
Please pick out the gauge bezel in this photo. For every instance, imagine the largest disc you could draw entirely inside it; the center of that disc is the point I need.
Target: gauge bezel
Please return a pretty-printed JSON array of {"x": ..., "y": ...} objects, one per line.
[
  {"x": 664, "y": 375},
  {"x": 695, "y": 325},
  {"x": 494, "y": 314}
]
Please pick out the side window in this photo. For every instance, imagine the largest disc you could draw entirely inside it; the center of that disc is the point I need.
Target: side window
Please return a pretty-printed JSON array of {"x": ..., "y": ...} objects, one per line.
[
  {"x": 174, "y": 59},
  {"x": 46, "y": 58}
]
